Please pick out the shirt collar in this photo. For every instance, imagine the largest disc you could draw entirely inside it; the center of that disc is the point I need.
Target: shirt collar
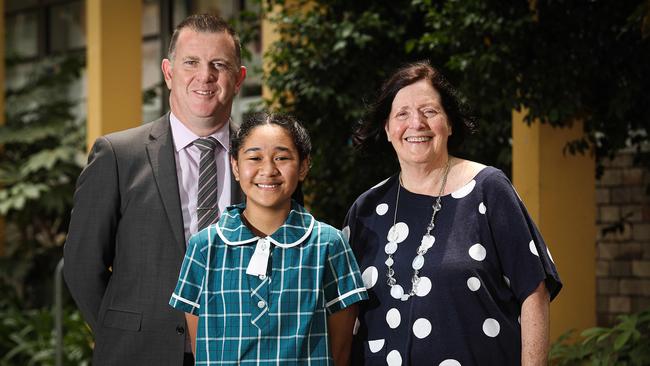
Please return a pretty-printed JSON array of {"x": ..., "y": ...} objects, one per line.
[
  {"x": 295, "y": 230},
  {"x": 184, "y": 137}
]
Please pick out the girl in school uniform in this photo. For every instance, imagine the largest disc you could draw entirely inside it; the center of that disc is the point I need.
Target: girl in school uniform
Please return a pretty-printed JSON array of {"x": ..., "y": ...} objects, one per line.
[{"x": 268, "y": 284}]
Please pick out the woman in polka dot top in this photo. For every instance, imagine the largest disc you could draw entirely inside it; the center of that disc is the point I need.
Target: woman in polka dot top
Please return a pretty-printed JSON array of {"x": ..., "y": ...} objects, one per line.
[{"x": 456, "y": 271}]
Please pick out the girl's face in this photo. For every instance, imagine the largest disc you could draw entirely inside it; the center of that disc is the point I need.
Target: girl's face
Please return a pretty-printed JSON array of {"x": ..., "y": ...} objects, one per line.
[{"x": 268, "y": 168}]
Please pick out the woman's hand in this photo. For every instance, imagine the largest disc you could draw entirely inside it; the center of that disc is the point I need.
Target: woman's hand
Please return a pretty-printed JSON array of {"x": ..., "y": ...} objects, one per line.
[
  {"x": 535, "y": 327},
  {"x": 340, "y": 326}
]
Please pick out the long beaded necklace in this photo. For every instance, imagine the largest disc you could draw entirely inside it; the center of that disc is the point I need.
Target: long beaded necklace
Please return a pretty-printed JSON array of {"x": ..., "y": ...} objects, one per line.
[{"x": 396, "y": 290}]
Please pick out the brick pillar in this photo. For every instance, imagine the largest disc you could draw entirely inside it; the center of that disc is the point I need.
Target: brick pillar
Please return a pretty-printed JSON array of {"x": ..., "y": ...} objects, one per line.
[{"x": 623, "y": 245}]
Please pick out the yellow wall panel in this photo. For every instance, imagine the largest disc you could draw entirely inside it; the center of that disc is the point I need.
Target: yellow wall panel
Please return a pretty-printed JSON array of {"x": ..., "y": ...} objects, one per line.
[
  {"x": 114, "y": 58},
  {"x": 559, "y": 190}
]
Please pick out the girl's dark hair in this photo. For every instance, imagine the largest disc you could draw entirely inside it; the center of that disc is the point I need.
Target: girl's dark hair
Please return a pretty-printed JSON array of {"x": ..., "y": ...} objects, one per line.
[
  {"x": 370, "y": 130},
  {"x": 298, "y": 132}
]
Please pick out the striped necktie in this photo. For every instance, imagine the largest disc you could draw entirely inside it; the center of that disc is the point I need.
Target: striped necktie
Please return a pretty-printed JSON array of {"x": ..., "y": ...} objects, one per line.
[{"x": 207, "y": 209}]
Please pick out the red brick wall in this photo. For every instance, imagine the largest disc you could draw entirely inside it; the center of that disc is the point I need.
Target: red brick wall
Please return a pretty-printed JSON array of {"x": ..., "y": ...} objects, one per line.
[{"x": 623, "y": 256}]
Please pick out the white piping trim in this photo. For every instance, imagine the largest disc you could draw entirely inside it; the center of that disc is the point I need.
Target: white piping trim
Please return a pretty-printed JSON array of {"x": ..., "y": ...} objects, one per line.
[
  {"x": 307, "y": 233},
  {"x": 348, "y": 294},
  {"x": 188, "y": 302},
  {"x": 269, "y": 238}
]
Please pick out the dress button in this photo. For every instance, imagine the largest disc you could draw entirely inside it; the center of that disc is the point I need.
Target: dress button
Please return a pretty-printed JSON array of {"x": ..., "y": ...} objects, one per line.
[
  {"x": 261, "y": 304},
  {"x": 180, "y": 330},
  {"x": 262, "y": 277}
]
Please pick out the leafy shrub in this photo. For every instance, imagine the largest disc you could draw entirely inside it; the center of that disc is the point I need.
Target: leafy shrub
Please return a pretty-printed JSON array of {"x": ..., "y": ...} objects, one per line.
[
  {"x": 626, "y": 343},
  {"x": 43, "y": 151},
  {"x": 27, "y": 337}
]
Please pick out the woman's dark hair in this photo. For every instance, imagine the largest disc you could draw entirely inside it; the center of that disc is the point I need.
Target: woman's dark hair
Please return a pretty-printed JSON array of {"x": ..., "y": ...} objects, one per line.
[
  {"x": 370, "y": 130},
  {"x": 298, "y": 132}
]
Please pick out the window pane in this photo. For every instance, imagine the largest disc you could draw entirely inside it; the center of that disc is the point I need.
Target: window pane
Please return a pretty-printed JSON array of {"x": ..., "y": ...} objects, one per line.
[
  {"x": 22, "y": 35},
  {"x": 224, "y": 8},
  {"x": 180, "y": 11},
  {"x": 150, "y": 18},
  {"x": 11, "y": 5},
  {"x": 67, "y": 27},
  {"x": 151, "y": 80}
]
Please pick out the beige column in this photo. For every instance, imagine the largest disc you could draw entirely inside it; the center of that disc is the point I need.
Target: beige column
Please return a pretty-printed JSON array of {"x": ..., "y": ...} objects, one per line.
[
  {"x": 2, "y": 103},
  {"x": 114, "y": 71},
  {"x": 559, "y": 191},
  {"x": 269, "y": 35}
]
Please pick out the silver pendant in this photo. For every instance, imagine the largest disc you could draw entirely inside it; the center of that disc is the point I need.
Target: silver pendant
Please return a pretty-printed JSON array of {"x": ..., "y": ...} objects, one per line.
[
  {"x": 427, "y": 242},
  {"x": 418, "y": 262},
  {"x": 397, "y": 292},
  {"x": 390, "y": 248},
  {"x": 393, "y": 234}
]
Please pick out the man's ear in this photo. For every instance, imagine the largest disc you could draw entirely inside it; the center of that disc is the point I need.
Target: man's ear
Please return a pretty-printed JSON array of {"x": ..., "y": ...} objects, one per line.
[
  {"x": 304, "y": 169},
  {"x": 166, "y": 67},
  {"x": 235, "y": 168},
  {"x": 240, "y": 78}
]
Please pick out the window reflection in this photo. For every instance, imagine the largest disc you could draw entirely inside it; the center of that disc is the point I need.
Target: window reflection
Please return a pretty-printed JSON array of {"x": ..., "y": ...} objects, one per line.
[
  {"x": 67, "y": 27},
  {"x": 11, "y": 5},
  {"x": 21, "y": 35}
]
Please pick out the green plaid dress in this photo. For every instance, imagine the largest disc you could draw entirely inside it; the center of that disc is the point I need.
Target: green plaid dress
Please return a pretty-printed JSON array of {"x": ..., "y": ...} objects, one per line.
[{"x": 277, "y": 316}]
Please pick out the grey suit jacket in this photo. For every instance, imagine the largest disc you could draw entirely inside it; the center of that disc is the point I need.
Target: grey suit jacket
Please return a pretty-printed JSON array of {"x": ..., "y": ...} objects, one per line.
[{"x": 125, "y": 246}]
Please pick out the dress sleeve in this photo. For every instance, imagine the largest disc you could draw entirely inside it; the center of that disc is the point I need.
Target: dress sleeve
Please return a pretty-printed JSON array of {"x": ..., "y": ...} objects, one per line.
[
  {"x": 349, "y": 224},
  {"x": 524, "y": 257},
  {"x": 343, "y": 284},
  {"x": 190, "y": 283}
]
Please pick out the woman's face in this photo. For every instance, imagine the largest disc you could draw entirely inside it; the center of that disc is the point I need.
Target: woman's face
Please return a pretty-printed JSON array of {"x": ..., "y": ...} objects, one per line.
[{"x": 417, "y": 125}]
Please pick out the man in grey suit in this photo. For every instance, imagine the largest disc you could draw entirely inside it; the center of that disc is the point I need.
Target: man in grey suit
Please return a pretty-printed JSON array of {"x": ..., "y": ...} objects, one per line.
[{"x": 135, "y": 203}]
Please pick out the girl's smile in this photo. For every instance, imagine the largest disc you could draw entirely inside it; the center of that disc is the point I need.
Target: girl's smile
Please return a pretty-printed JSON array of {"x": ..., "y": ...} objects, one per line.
[{"x": 268, "y": 167}]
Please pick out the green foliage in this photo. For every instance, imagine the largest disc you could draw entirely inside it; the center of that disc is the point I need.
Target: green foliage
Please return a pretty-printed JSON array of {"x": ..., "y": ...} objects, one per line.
[
  {"x": 27, "y": 336},
  {"x": 330, "y": 58},
  {"x": 561, "y": 60},
  {"x": 626, "y": 344},
  {"x": 42, "y": 153}
]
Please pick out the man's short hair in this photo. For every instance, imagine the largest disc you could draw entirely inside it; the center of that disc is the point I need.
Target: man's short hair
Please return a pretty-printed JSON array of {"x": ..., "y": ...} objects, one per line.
[{"x": 206, "y": 23}]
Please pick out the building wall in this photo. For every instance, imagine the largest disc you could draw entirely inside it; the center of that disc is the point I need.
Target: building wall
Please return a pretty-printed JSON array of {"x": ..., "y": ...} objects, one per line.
[{"x": 623, "y": 239}]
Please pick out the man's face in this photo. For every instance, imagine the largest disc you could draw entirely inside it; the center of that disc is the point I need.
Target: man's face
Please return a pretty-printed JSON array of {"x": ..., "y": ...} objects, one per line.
[{"x": 203, "y": 78}]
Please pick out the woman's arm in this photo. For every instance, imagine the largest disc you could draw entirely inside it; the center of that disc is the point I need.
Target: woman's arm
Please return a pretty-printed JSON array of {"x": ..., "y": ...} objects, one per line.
[
  {"x": 340, "y": 326},
  {"x": 192, "y": 324},
  {"x": 535, "y": 327}
]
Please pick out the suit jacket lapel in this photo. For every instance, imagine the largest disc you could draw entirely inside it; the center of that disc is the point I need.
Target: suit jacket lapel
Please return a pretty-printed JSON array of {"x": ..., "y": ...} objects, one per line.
[{"x": 160, "y": 149}]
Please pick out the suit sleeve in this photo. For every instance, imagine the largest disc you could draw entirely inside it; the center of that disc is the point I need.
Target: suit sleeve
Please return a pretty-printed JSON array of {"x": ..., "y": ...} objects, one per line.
[{"x": 90, "y": 245}]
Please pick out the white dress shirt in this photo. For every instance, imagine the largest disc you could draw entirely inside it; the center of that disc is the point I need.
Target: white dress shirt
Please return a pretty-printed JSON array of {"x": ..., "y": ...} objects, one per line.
[{"x": 188, "y": 157}]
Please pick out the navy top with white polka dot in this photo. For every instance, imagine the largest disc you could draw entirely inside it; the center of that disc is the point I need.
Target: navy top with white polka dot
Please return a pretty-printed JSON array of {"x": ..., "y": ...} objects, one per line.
[{"x": 488, "y": 256}]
